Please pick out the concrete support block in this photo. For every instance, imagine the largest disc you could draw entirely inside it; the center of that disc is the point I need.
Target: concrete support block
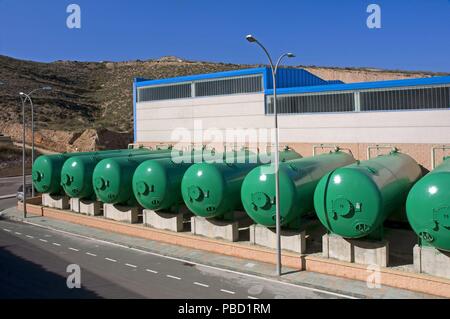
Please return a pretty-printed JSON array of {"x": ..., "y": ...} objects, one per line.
[
  {"x": 290, "y": 240},
  {"x": 431, "y": 261},
  {"x": 212, "y": 228},
  {"x": 87, "y": 207},
  {"x": 164, "y": 220},
  {"x": 121, "y": 213},
  {"x": 358, "y": 251},
  {"x": 55, "y": 201}
]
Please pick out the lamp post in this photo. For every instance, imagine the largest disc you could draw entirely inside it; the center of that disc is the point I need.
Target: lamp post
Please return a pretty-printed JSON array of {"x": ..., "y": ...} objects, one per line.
[
  {"x": 274, "y": 69},
  {"x": 28, "y": 96},
  {"x": 24, "y": 196}
]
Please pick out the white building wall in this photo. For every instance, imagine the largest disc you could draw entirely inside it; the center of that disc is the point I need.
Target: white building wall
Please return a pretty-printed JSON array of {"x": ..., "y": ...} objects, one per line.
[{"x": 156, "y": 122}]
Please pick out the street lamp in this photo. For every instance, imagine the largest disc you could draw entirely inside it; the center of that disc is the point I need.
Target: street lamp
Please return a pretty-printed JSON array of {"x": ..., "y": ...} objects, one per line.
[
  {"x": 250, "y": 38},
  {"x": 28, "y": 96}
]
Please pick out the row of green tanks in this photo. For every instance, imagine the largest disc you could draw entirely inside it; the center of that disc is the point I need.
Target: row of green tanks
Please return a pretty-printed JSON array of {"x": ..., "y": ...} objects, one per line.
[
  {"x": 146, "y": 180},
  {"x": 428, "y": 207},
  {"x": 212, "y": 190},
  {"x": 157, "y": 183},
  {"x": 297, "y": 181},
  {"x": 77, "y": 172},
  {"x": 46, "y": 171}
]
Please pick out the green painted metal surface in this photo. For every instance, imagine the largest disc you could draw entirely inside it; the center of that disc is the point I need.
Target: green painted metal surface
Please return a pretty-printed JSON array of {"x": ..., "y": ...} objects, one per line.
[
  {"x": 354, "y": 201},
  {"x": 112, "y": 177},
  {"x": 297, "y": 179},
  {"x": 76, "y": 173},
  {"x": 428, "y": 207},
  {"x": 213, "y": 190},
  {"x": 46, "y": 172},
  {"x": 157, "y": 183}
]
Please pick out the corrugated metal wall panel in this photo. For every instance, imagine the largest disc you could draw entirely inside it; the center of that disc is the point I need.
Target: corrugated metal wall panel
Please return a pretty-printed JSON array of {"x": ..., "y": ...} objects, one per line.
[{"x": 287, "y": 78}]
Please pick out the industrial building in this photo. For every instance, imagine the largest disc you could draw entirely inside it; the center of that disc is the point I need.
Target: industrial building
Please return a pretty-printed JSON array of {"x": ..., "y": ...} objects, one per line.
[{"x": 411, "y": 114}]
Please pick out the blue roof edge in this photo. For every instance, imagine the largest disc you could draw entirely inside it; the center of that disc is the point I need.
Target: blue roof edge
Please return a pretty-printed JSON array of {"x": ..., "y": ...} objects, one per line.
[
  {"x": 363, "y": 85},
  {"x": 180, "y": 79}
]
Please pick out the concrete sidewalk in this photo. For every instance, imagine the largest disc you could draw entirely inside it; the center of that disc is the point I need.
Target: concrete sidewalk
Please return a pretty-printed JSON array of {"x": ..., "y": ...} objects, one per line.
[{"x": 337, "y": 285}]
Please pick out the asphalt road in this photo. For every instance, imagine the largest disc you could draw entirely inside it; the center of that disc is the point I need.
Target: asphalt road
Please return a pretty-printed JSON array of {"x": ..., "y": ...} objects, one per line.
[
  {"x": 34, "y": 261},
  {"x": 9, "y": 185}
]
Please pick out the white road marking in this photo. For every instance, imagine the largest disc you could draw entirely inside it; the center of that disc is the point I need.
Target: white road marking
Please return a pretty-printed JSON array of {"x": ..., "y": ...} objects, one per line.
[
  {"x": 17, "y": 233},
  {"x": 74, "y": 249},
  {"x": 7, "y": 196},
  {"x": 29, "y": 236},
  {"x": 56, "y": 244},
  {"x": 200, "y": 284},
  {"x": 8, "y": 230},
  {"x": 91, "y": 254},
  {"x": 173, "y": 277},
  {"x": 131, "y": 265},
  {"x": 43, "y": 240},
  {"x": 194, "y": 263},
  {"x": 227, "y": 291},
  {"x": 110, "y": 259},
  {"x": 152, "y": 271},
  {"x": 251, "y": 297}
]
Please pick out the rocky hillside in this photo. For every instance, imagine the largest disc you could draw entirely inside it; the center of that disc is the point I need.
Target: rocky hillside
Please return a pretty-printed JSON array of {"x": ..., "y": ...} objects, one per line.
[{"x": 90, "y": 105}]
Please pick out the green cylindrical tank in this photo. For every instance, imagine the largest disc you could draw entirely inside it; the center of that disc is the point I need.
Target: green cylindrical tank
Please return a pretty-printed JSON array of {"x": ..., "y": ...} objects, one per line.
[
  {"x": 46, "y": 172},
  {"x": 354, "y": 201},
  {"x": 297, "y": 182},
  {"x": 76, "y": 173},
  {"x": 112, "y": 177},
  {"x": 428, "y": 207},
  {"x": 213, "y": 190},
  {"x": 157, "y": 183}
]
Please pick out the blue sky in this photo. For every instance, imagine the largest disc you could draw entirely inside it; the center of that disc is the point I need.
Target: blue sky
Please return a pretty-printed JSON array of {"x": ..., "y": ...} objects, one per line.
[{"x": 415, "y": 34}]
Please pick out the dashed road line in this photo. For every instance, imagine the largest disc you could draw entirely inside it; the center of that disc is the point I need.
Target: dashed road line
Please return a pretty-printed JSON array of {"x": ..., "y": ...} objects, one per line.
[
  {"x": 91, "y": 254},
  {"x": 152, "y": 271},
  {"x": 227, "y": 291},
  {"x": 74, "y": 249},
  {"x": 43, "y": 240},
  {"x": 251, "y": 297},
  {"x": 131, "y": 265},
  {"x": 200, "y": 284},
  {"x": 8, "y": 230},
  {"x": 56, "y": 244},
  {"x": 17, "y": 233},
  {"x": 29, "y": 236},
  {"x": 110, "y": 259},
  {"x": 173, "y": 277}
]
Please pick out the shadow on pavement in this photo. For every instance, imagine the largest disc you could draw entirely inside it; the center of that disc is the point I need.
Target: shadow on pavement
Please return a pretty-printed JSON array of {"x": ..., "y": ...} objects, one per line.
[{"x": 21, "y": 278}]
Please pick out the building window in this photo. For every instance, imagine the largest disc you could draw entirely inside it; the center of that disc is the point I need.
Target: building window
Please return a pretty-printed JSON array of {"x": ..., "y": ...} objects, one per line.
[
  {"x": 313, "y": 103},
  {"x": 166, "y": 92},
  {"x": 406, "y": 99},
  {"x": 248, "y": 84}
]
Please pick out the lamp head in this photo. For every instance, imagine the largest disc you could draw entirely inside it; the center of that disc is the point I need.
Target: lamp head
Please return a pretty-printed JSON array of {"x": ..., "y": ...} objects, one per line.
[
  {"x": 250, "y": 38},
  {"x": 21, "y": 93},
  {"x": 47, "y": 88},
  {"x": 291, "y": 55}
]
